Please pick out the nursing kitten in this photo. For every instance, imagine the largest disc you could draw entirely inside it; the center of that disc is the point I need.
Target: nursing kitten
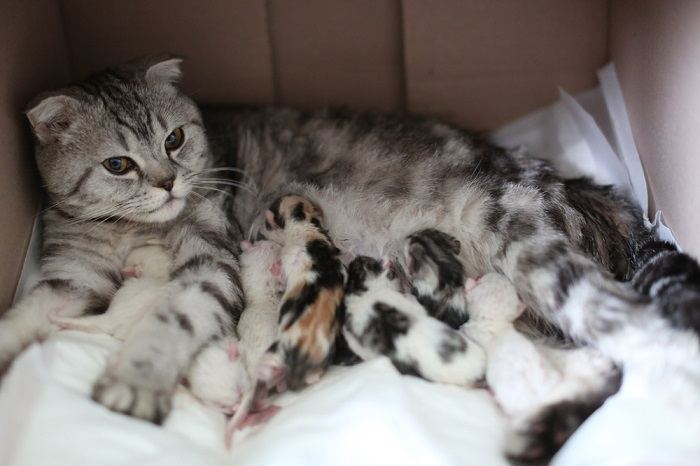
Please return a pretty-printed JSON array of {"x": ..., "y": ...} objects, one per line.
[
  {"x": 437, "y": 275},
  {"x": 380, "y": 320},
  {"x": 311, "y": 307},
  {"x": 147, "y": 270},
  {"x": 124, "y": 160},
  {"x": 264, "y": 283}
]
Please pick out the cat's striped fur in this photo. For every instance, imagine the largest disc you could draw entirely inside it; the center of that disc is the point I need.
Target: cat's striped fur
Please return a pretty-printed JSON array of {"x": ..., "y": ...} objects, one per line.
[{"x": 96, "y": 217}]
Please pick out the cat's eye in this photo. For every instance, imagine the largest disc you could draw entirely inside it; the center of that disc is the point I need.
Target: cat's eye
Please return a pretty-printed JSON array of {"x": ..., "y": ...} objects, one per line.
[
  {"x": 119, "y": 165},
  {"x": 174, "y": 140}
]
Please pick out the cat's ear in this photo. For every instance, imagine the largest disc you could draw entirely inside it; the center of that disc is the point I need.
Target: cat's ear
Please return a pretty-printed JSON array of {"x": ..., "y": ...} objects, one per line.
[
  {"x": 167, "y": 70},
  {"x": 52, "y": 118}
]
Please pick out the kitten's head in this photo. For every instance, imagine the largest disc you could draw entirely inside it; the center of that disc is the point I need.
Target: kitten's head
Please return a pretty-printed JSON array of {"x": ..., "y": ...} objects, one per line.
[
  {"x": 432, "y": 261},
  {"x": 292, "y": 209},
  {"x": 124, "y": 143},
  {"x": 364, "y": 272}
]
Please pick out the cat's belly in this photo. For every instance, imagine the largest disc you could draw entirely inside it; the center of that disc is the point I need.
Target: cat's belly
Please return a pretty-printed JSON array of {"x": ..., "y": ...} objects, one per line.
[{"x": 365, "y": 223}]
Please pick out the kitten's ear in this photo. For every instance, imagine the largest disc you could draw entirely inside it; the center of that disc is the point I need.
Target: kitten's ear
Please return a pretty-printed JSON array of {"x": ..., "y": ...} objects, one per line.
[
  {"x": 52, "y": 117},
  {"x": 167, "y": 71},
  {"x": 246, "y": 245}
]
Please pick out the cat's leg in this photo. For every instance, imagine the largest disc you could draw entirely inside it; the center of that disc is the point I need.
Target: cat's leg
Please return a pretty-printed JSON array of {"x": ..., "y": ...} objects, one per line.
[
  {"x": 203, "y": 304},
  {"x": 28, "y": 320},
  {"x": 591, "y": 308}
]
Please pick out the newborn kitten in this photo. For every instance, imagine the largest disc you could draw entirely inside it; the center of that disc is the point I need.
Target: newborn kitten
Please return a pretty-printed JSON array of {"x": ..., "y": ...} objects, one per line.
[
  {"x": 147, "y": 270},
  {"x": 545, "y": 392},
  {"x": 437, "y": 275},
  {"x": 218, "y": 376},
  {"x": 380, "y": 320},
  {"x": 311, "y": 309},
  {"x": 263, "y": 284}
]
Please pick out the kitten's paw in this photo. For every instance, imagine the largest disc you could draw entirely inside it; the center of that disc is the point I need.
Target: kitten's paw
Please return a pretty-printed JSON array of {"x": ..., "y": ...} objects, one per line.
[{"x": 132, "y": 398}]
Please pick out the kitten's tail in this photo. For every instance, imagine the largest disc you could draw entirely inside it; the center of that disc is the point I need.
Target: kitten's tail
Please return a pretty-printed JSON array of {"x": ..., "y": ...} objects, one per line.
[
  {"x": 91, "y": 324},
  {"x": 241, "y": 413}
]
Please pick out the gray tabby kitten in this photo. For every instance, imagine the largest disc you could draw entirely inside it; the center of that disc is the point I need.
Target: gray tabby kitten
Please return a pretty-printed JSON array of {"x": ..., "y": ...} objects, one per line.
[{"x": 124, "y": 160}]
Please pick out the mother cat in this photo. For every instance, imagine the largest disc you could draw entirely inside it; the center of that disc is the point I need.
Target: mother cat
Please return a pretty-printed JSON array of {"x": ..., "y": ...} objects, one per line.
[{"x": 125, "y": 160}]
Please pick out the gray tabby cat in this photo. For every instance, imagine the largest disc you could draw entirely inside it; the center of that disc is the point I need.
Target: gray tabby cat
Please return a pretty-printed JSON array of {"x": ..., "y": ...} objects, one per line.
[
  {"x": 377, "y": 179},
  {"x": 125, "y": 161}
]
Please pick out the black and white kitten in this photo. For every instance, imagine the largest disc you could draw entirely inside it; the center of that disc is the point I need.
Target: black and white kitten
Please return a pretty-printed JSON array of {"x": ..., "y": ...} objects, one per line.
[{"x": 381, "y": 320}]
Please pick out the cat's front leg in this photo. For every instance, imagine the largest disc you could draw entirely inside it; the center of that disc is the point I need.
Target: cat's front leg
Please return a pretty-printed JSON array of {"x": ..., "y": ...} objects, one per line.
[
  {"x": 28, "y": 320},
  {"x": 204, "y": 303}
]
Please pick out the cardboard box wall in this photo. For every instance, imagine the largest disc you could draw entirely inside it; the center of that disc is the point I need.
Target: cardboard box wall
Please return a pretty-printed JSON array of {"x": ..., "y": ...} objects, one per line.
[{"x": 477, "y": 63}]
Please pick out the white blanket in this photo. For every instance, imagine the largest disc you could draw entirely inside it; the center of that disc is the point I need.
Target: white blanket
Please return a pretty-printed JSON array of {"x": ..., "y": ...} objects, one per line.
[{"x": 368, "y": 414}]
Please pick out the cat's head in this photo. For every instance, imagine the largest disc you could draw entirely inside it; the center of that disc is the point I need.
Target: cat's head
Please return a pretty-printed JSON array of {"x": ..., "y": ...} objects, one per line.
[{"x": 123, "y": 144}]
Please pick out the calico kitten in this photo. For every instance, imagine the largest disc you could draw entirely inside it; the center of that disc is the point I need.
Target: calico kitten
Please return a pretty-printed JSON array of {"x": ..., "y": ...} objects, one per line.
[
  {"x": 437, "y": 275},
  {"x": 380, "y": 320},
  {"x": 312, "y": 305}
]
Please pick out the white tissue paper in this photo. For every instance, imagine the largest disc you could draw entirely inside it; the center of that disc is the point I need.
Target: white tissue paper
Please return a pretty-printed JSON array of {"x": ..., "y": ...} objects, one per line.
[{"x": 367, "y": 414}]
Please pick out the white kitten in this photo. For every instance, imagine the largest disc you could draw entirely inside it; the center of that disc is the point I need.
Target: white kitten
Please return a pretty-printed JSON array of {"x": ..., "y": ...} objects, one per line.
[
  {"x": 147, "y": 270},
  {"x": 263, "y": 283}
]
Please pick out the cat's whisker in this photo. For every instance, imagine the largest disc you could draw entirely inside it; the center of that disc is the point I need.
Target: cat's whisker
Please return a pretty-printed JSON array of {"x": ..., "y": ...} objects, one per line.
[
  {"x": 225, "y": 181},
  {"x": 205, "y": 184},
  {"x": 209, "y": 188}
]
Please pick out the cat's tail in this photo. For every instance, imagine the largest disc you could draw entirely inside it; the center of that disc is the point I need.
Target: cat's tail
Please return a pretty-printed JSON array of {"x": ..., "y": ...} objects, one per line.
[
  {"x": 608, "y": 226},
  {"x": 672, "y": 279},
  {"x": 543, "y": 434}
]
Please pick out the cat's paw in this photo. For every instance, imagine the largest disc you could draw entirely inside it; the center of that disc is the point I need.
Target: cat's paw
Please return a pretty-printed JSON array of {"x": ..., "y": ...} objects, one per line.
[{"x": 132, "y": 397}]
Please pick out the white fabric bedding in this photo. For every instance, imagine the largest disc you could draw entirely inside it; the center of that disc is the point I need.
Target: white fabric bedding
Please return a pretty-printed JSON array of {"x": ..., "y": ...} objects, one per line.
[{"x": 368, "y": 414}]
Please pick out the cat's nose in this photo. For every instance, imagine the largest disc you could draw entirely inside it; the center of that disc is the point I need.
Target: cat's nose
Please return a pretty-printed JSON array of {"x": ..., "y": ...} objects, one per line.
[{"x": 167, "y": 184}]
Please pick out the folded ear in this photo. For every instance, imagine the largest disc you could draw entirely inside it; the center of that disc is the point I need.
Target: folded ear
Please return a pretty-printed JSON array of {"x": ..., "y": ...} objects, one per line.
[
  {"x": 52, "y": 118},
  {"x": 167, "y": 71}
]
